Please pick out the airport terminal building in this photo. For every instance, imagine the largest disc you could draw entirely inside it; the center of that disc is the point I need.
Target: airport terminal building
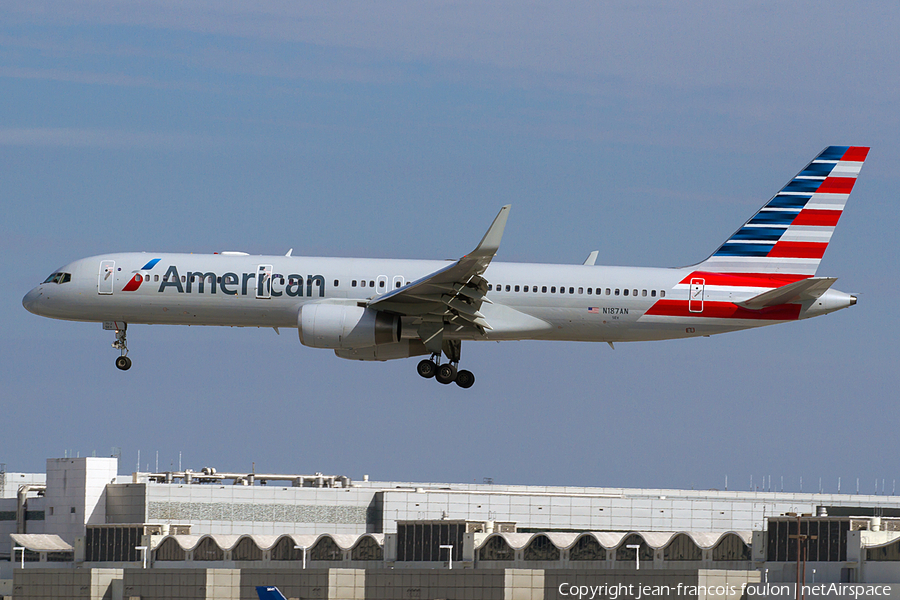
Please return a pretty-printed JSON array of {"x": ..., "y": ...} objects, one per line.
[{"x": 81, "y": 530}]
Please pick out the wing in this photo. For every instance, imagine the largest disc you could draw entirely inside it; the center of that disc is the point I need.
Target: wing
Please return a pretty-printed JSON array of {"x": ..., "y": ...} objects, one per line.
[{"x": 451, "y": 296}]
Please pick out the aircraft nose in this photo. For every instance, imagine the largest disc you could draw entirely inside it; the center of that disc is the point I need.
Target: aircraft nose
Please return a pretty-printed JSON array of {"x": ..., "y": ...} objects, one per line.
[{"x": 32, "y": 300}]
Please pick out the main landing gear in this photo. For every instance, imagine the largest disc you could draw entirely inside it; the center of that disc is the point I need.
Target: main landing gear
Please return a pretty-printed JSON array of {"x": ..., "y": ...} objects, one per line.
[
  {"x": 445, "y": 373},
  {"x": 123, "y": 362}
]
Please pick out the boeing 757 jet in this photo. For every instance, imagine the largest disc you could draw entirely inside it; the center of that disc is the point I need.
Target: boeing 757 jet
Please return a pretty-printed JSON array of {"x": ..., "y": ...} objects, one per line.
[{"x": 385, "y": 309}]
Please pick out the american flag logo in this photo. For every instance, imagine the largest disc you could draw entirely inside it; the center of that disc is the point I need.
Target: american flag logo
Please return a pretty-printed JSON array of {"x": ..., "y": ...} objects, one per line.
[{"x": 594, "y": 309}]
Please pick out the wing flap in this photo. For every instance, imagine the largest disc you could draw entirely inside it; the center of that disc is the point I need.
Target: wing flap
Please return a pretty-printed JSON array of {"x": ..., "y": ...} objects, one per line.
[
  {"x": 456, "y": 291},
  {"x": 799, "y": 291}
]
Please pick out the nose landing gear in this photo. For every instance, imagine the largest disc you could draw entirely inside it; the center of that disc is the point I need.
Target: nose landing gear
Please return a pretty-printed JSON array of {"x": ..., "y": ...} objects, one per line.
[{"x": 123, "y": 362}]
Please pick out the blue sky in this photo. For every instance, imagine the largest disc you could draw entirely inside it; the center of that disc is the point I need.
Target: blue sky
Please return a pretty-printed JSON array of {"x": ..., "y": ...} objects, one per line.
[{"x": 648, "y": 131}]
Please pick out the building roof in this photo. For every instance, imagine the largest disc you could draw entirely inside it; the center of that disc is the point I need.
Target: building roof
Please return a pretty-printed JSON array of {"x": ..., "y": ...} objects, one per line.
[{"x": 41, "y": 542}]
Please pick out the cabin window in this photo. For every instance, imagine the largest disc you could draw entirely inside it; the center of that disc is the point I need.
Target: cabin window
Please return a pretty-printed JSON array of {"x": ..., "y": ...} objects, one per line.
[
  {"x": 156, "y": 278},
  {"x": 397, "y": 285},
  {"x": 653, "y": 293},
  {"x": 598, "y": 291},
  {"x": 617, "y": 291},
  {"x": 643, "y": 292},
  {"x": 507, "y": 288},
  {"x": 380, "y": 283},
  {"x": 336, "y": 282},
  {"x": 353, "y": 283},
  {"x": 517, "y": 288},
  {"x": 607, "y": 291},
  {"x": 362, "y": 283},
  {"x": 182, "y": 279},
  {"x": 581, "y": 290},
  {"x": 371, "y": 283},
  {"x": 553, "y": 289},
  {"x": 571, "y": 290},
  {"x": 625, "y": 292},
  {"x": 634, "y": 292},
  {"x": 662, "y": 293},
  {"x": 526, "y": 289},
  {"x": 589, "y": 291},
  {"x": 544, "y": 290}
]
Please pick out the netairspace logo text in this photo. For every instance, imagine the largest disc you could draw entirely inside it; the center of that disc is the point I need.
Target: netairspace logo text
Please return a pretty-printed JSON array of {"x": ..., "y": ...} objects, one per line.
[{"x": 631, "y": 591}]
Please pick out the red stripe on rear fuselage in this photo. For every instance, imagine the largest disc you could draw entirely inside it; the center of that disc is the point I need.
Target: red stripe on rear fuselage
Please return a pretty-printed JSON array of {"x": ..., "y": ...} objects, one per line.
[
  {"x": 768, "y": 280},
  {"x": 724, "y": 310}
]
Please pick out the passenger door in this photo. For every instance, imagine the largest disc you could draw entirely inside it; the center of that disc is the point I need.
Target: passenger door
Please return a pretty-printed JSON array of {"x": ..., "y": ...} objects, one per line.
[
  {"x": 698, "y": 289},
  {"x": 107, "y": 277}
]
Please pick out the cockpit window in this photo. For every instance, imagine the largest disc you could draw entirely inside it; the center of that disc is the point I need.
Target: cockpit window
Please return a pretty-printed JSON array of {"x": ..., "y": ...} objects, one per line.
[{"x": 59, "y": 278}]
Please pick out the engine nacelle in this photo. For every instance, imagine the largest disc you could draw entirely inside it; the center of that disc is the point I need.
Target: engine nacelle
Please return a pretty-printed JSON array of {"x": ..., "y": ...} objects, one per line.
[
  {"x": 342, "y": 326},
  {"x": 402, "y": 349}
]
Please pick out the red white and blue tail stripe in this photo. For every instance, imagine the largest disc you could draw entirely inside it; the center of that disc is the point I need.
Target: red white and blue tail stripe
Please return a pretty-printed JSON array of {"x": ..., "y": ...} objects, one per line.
[{"x": 790, "y": 233}]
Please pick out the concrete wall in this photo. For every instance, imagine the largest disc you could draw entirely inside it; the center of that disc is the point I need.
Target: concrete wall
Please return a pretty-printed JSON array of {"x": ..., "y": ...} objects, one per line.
[
  {"x": 262, "y": 510},
  {"x": 54, "y": 584}
]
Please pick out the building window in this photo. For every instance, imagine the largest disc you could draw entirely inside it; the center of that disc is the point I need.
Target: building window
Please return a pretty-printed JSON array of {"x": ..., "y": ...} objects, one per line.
[
  {"x": 626, "y": 554},
  {"x": 325, "y": 549},
  {"x": 732, "y": 547},
  {"x": 284, "y": 550},
  {"x": 367, "y": 549},
  {"x": 208, "y": 550},
  {"x": 246, "y": 549},
  {"x": 682, "y": 547},
  {"x": 541, "y": 548},
  {"x": 587, "y": 548},
  {"x": 496, "y": 548}
]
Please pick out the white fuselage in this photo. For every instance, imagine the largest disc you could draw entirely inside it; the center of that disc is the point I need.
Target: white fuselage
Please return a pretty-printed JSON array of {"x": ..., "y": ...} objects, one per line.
[{"x": 562, "y": 302}]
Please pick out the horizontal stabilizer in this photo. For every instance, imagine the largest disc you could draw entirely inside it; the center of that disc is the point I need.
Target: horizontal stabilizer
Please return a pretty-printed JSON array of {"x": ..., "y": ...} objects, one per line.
[{"x": 805, "y": 289}]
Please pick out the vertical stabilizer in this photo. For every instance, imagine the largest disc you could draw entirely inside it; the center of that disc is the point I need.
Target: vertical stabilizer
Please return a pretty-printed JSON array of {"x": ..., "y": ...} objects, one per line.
[
  {"x": 268, "y": 592},
  {"x": 790, "y": 233}
]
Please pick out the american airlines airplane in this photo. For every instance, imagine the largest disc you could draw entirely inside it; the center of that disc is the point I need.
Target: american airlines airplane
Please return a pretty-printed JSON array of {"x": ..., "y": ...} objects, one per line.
[{"x": 384, "y": 309}]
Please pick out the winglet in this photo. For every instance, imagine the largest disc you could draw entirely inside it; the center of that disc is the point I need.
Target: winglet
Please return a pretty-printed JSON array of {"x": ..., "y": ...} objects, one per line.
[
  {"x": 591, "y": 260},
  {"x": 269, "y": 592},
  {"x": 490, "y": 243}
]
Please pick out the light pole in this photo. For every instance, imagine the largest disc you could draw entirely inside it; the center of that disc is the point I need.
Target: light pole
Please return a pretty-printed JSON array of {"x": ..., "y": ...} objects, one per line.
[
  {"x": 450, "y": 548},
  {"x": 637, "y": 555},
  {"x": 143, "y": 551},
  {"x": 304, "y": 553},
  {"x": 23, "y": 554}
]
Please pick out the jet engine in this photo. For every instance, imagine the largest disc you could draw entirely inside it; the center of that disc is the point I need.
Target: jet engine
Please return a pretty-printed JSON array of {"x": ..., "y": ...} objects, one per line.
[{"x": 344, "y": 326}]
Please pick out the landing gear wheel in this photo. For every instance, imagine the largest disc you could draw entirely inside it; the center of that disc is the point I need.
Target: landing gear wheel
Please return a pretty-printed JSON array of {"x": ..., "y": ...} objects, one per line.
[
  {"x": 465, "y": 379},
  {"x": 123, "y": 362},
  {"x": 426, "y": 368},
  {"x": 446, "y": 373}
]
